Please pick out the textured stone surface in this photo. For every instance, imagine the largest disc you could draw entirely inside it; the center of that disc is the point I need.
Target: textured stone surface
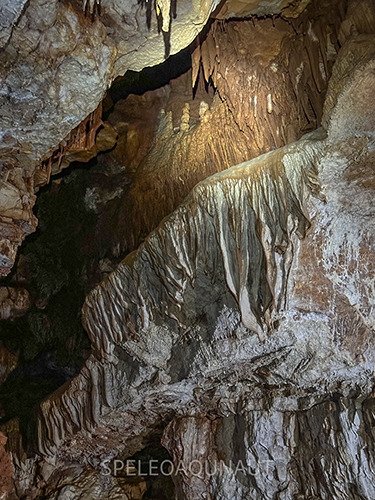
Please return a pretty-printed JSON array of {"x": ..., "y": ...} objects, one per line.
[
  {"x": 10, "y": 12},
  {"x": 243, "y": 326},
  {"x": 8, "y": 361},
  {"x": 6, "y": 472},
  {"x": 278, "y": 356},
  {"x": 272, "y": 394},
  {"x": 248, "y": 8},
  {"x": 55, "y": 68},
  {"x": 13, "y": 302},
  {"x": 56, "y": 64},
  {"x": 66, "y": 41},
  {"x": 324, "y": 452},
  {"x": 264, "y": 98}
]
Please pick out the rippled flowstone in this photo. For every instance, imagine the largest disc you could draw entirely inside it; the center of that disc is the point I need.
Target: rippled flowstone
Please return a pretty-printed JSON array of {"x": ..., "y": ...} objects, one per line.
[
  {"x": 57, "y": 60},
  {"x": 242, "y": 328},
  {"x": 246, "y": 322}
]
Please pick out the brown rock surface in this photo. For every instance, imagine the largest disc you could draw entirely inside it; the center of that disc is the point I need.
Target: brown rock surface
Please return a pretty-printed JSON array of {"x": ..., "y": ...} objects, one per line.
[
  {"x": 14, "y": 302},
  {"x": 248, "y": 8},
  {"x": 8, "y": 361},
  {"x": 6, "y": 472}
]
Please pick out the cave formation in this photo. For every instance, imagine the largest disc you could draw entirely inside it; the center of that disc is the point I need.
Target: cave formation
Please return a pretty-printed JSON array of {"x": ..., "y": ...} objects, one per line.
[{"x": 187, "y": 248}]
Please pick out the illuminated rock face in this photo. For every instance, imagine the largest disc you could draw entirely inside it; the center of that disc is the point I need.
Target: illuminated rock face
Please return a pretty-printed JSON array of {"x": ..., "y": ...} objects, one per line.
[
  {"x": 242, "y": 327},
  {"x": 254, "y": 343},
  {"x": 265, "y": 97},
  {"x": 57, "y": 64},
  {"x": 175, "y": 333},
  {"x": 58, "y": 60}
]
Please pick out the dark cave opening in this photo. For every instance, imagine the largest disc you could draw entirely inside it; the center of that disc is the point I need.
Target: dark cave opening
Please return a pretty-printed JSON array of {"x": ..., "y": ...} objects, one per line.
[
  {"x": 154, "y": 467},
  {"x": 150, "y": 78}
]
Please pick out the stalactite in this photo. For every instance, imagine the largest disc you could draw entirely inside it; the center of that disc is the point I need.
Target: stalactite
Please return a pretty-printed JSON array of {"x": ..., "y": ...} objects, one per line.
[
  {"x": 82, "y": 138},
  {"x": 250, "y": 81},
  {"x": 92, "y": 6},
  {"x": 265, "y": 194},
  {"x": 163, "y": 8},
  {"x": 230, "y": 238}
]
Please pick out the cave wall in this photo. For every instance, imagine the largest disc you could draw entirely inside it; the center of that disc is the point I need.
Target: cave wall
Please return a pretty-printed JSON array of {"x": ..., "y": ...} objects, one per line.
[
  {"x": 243, "y": 324},
  {"x": 158, "y": 156},
  {"x": 57, "y": 64},
  {"x": 255, "y": 346},
  {"x": 263, "y": 98}
]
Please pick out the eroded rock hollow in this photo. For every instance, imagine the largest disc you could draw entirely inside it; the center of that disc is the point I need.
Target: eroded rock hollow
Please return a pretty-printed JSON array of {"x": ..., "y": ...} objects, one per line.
[{"x": 194, "y": 315}]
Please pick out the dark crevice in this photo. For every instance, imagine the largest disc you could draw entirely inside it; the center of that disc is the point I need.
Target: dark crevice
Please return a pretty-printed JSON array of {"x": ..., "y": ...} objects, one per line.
[{"x": 151, "y": 78}]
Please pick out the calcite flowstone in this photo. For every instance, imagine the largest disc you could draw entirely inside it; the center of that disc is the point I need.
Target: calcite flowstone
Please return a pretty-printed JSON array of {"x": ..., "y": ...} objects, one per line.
[
  {"x": 307, "y": 383},
  {"x": 243, "y": 325},
  {"x": 57, "y": 61},
  {"x": 241, "y": 329},
  {"x": 264, "y": 98},
  {"x": 56, "y": 65}
]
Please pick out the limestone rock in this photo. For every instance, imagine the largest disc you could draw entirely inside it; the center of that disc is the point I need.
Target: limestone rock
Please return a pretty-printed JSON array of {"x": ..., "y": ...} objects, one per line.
[
  {"x": 226, "y": 318},
  {"x": 55, "y": 57},
  {"x": 272, "y": 387},
  {"x": 265, "y": 98},
  {"x": 10, "y": 12},
  {"x": 14, "y": 302},
  {"x": 242, "y": 326}
]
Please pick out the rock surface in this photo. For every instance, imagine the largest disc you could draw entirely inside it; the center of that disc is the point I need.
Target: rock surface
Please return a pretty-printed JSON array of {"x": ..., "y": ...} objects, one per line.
[
  {"x": 8, "y": 361},
  {"x": 248, "y": 8},
  {"x": 257, "y": 342},
  {"x": 14, "y": 302},
  {"x": 6, "y": 472},
  {"x": 55, "y": 68},
  {"x": 241, "y": 332},
  {"x": 10, "y": 12},
  {"x": 57, "y": 61},
  {"x": 262, "y": 99}
]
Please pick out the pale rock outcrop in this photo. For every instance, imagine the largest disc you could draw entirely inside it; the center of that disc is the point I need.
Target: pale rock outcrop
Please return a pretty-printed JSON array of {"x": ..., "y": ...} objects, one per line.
[{"x": 10, "y": 12}]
